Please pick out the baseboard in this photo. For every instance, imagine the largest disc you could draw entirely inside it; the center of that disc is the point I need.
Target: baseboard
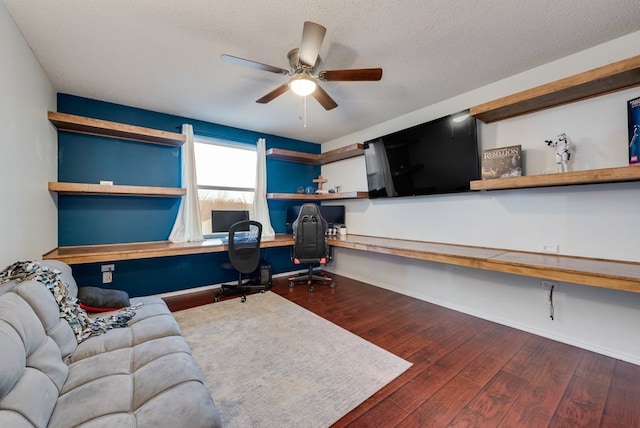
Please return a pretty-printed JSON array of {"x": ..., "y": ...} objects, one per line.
[
  {"x": 189, "y": 291},
  {"x": 214, "y": 286}
]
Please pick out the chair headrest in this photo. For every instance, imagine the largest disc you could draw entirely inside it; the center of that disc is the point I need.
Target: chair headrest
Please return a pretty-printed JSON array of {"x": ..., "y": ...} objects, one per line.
[{"x": 309, "y": 209}]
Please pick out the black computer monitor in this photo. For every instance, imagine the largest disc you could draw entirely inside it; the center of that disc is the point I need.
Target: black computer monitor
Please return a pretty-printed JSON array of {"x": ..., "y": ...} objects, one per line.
[
  {"x": 333, "y": 214},
  {"x": 221, "y": 220}
]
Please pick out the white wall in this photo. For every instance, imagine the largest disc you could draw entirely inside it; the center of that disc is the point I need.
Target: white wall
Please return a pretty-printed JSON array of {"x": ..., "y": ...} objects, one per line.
[
  {"x": 28, "y": 150},
  {"x": 592, "y": 221}
]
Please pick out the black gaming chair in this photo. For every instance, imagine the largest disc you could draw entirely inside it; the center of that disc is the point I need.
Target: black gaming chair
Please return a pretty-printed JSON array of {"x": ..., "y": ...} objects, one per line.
[
  {"x": 310, "y": 246},
  {"x": 244, "y": 257}
]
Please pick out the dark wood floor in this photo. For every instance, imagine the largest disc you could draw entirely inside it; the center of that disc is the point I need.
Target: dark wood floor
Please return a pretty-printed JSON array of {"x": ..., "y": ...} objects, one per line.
[{"x": 467, "y": 371}]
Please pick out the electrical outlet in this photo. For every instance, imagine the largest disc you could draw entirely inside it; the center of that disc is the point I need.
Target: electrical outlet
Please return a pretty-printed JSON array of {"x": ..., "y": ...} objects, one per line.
[
  {"x": 107, "y": 277},
  {"x": 550, "y": 248},
  {"x": 107, "y": 268}
]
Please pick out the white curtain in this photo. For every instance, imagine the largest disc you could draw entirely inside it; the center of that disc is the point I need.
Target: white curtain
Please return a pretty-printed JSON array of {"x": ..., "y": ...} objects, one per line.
[
  {"x": 260, "y": 209},
  {"x": 188, "y": 225}
]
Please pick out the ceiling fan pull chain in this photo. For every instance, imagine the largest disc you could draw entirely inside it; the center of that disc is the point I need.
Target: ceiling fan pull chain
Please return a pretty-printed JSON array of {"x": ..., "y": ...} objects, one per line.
[
  {"x": 303, "y": 111},
  {"x": 300, "y": 108}
]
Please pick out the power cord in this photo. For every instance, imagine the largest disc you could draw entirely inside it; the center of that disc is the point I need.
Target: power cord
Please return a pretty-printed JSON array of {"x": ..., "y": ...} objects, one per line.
[{"x": 551, "y": 310}]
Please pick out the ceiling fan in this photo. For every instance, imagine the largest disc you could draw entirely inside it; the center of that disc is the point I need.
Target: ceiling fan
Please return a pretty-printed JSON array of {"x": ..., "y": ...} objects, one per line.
[{"x": 303, "y": 64}]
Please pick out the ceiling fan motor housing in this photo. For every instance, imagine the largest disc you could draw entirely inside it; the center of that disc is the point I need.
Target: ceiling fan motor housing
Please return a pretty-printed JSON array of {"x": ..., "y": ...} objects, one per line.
[{"x": 296, "y": 65}]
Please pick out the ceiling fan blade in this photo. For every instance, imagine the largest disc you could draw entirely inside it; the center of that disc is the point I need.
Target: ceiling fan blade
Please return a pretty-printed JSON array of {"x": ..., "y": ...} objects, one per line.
[
  {"x": 312, "y": 37},
  {"x": 324, "y": 99},
  {"x": 253, "y": 64},
  {"x": 274, "y": 94},
  {"x": 355, "y": 75}
]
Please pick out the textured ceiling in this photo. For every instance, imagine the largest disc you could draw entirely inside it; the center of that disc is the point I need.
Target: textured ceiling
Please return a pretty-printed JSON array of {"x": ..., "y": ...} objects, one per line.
[{"x": 165, "y": 55}]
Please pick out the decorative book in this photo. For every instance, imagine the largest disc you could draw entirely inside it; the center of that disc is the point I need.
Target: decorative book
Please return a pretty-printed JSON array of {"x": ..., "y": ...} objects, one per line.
[
  {"x": 633, "y": 109},
  {"x": 502, "y": 162}
]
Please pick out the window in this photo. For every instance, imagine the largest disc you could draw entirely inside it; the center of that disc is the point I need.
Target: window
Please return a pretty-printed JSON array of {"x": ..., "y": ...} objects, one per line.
[{"x": 226, "y": 173}]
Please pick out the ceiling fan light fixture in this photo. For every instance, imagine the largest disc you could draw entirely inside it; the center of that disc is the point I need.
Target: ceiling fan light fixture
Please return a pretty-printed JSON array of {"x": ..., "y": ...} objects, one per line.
[{"x": 302, "y": 85}]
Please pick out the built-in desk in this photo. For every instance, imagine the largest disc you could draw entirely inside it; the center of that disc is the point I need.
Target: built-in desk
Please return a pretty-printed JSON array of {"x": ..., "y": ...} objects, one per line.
[
  {"x": 146, "y": 250},
  {"x": 618, "y": 275}
]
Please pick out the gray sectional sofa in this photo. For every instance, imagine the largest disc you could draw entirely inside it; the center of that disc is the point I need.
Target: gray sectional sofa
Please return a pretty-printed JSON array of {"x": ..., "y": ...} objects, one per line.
[{"x": 142, "y": 375}]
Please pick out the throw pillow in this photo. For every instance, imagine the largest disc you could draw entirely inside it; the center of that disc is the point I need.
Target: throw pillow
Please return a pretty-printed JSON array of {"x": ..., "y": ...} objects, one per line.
[{"x": 95, "y": 299}]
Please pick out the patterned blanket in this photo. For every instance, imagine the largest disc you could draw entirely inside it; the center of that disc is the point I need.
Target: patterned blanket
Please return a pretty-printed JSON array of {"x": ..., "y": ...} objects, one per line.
[{"x": 82, "y": 325}]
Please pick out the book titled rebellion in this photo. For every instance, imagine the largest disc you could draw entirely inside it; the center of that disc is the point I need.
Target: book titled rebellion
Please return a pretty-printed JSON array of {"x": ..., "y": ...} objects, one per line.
[
  {"x": 502, "y": 162},
  {"x": 633, "y": 108}
]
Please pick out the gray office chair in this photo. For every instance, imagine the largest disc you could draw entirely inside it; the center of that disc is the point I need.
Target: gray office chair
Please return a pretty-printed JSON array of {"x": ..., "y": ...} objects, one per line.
[
  {"x": 244, "y": 257},
  {"x": 310, "y": 245}
]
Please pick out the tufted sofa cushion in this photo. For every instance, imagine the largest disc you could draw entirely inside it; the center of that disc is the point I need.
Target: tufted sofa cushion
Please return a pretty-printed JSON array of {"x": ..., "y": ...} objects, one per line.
[
  {"x": 139, "y": 376},
  {"x": 32, "y": 370},
  {"x": 152, "y": 321},
  {"x": 46, "y": 309},
  {"x": 137, "y": 385}
]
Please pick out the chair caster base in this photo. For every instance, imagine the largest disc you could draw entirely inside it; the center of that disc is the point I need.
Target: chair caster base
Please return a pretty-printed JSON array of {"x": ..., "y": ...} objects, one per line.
[{"x": 315, "y": 279}]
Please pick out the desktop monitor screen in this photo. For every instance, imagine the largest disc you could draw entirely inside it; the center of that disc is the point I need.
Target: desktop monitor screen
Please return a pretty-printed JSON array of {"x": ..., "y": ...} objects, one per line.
[
  {"x": 221, "y": 220},
  {"x": 333, "y": 214}
]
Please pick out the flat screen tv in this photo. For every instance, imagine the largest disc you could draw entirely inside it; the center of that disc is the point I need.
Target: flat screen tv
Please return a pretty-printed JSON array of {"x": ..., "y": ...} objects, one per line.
[{"x": 440, "y": 156}]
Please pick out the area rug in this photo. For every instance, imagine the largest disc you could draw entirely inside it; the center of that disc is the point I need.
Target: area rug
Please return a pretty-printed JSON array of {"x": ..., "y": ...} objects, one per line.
[{"x": 271, "y": 363}]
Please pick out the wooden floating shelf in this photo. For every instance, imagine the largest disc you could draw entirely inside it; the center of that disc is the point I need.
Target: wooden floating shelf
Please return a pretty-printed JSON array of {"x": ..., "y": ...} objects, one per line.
[
  {"x": 609, "y": 78},
  {"x": 115, "y": 190},
  {"x": 592, "y": 176},
  {"x": 104, "y": 128},
  {"x": 318, "y": 196},
  {"x": 346, "y": 152}
]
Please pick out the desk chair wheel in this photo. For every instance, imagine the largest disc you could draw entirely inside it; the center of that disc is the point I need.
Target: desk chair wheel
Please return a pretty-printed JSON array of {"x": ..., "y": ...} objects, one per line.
[
  {"x": 291, "y": 284},
  {"x": 216, "y": 299},
  {"x": 310, "y": 287},
  {"x": 243, "y": 299},
  {"x": 332, "y": 284}
]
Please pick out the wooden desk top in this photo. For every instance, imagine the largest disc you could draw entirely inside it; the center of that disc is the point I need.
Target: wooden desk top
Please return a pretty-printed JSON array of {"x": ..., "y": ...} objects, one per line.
[
  {"x": 437, "y": 252},
  {"x": 147, "y": 250},
  {"x": 614, "y": 274}
]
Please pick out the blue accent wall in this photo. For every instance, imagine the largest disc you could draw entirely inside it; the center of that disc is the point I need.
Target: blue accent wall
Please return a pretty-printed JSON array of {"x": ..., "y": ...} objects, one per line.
[{"x": 87, "y": 220}]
